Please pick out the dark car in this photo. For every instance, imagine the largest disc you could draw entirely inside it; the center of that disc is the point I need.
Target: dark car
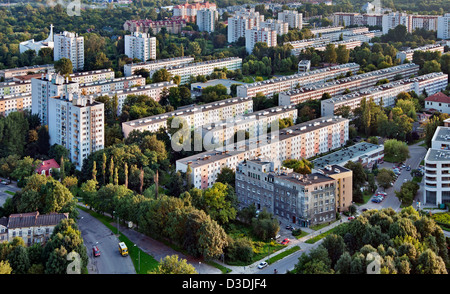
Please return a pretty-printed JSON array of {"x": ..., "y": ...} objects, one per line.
[{"x": 96, "y": 251}]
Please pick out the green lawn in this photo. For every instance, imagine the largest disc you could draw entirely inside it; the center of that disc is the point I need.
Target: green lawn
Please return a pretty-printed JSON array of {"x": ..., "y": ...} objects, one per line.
[
  {"x": 303, "y": 234},
  {"x": 321, "y": 236},
  {"x": 10, "y": 193},
  {"x": 283, "y": 254},
  {"x": 321, "y": 226}
]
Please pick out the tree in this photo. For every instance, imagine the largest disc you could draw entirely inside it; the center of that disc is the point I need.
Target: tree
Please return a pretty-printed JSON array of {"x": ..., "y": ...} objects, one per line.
[
  {"x": 330, "y": 54},
  {"x": 430, "y": 263},
  {"x": 173, "y": 265},
  {"x": 226, "y": 176},
  {"x": 64, "y": 66},
  {"x": 335, "y": 246},
  {"x": 385, "y": 177},
  {"x": 396, "y": 151},
  {"x": 407, "y": 192},
  {"x": 301, "y": 166},
  {"x": 343, "y": 55},
  {"x": 161, "y": 75}
]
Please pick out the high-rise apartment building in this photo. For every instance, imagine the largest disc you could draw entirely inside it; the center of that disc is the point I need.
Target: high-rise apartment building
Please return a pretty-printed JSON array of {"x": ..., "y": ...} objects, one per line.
[
  {"x": 255, "y": 35},
  {"x": 242, "y": 20},
  {"x": 77, "y": 123},
  {"x": 206, "y": 19},
  {"x": 443, "y": 26},
  {"x": 292, "y": 17},
  {"x": 49, "y": 85},
  {"x": 140, "y": 46},
  {"x": 279, "y": 26},
  {"x": 71, "y": 46}
]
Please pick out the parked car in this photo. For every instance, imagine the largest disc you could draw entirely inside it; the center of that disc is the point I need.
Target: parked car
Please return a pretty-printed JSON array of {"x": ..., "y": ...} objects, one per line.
[
  {"x": 277, "y": 236},
  {"x": 364, "y": 209},
  {"x": 4, "y": 182},
  {"x": 262, "y": 265},
  {"x": 285, "y": 241},
  {"x": 351, "y": 217},
  {"x": 289, "y": 227},
  {"x": 95, "y": 251}
]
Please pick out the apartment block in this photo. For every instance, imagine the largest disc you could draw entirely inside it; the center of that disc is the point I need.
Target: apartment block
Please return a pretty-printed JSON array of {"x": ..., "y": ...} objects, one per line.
[
  {"x": 151, "y": 90},
  {"x": 10, "y": 73},
  {"x": 116, "y": 84},
  {"x": 303, "y": 140},
  {"x": 240, "y": 22},
  {"x": 443, "y": 27},
  {"x": 263, "y": 34},
  {"x": 71, "y": 46},
  {"x": 77, "y": 123},
  {"x": 292, "y": 17},
  {"x": 49, "y": 85},
  {"x": 92, "y": 76},
  {"x": 154, "y": 65},
  {"x": 141, "y": 46},
  {"x": 15, "y": 102},
  {"x": 287, "y": 83},
  {"x": 437, "y": 167},
  {"x": 189, "y": 11},
  {"x": 408, "y": 54},
  {"x": 206, "y": 19},
  {"x": 9, "y": 88},
  {"x": 172, "y": 25},
  {"x": 279, "y": 26},
  {"x": 185, "y": 71},
  {"x": 31, "y": 227},
  {"x": 195, "y": 116},
  {"x": 344, "y": 185},
  {"x": 254, "y": 123},
  {"x": 353, "y": 83},
  {"x": 387, "y": 93},
  {"x": 305, "y": 200}
]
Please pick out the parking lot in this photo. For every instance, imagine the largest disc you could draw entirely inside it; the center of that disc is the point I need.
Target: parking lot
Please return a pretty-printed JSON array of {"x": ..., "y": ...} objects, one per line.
[{"x": 4, "y": 195}]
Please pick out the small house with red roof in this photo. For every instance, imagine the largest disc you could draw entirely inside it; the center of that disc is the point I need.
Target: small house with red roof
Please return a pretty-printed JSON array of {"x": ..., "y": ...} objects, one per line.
[
  {"x": 45, "y": 168},
  {"x": 438, "y": 102}
]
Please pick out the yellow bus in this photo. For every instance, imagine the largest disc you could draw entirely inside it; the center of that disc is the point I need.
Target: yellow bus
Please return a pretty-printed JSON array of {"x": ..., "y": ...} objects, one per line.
[{"x": 123, "y": 249}]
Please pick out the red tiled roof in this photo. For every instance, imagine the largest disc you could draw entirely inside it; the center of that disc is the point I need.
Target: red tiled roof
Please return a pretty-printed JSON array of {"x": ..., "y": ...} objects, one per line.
[
  {"x": 47, "y": 165},
  {"x": 438, "y": 97}
]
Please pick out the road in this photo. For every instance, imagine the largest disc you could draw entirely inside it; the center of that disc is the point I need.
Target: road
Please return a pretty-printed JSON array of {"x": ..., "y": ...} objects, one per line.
[
  {"x": 3, "y": 188},
  {"x": 110, "y": 261}
]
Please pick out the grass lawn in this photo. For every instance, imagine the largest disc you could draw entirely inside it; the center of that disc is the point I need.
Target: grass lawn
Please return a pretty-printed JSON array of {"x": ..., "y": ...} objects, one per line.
[
  {"x": 321, "y": 226},
  {"x": 283, "y": 254},
  {"x": 321, "y": 236},
  {"x": 147, "y": 262},
  {"x": 303, "y": 234},
  {"x": 10, "y": 193}
]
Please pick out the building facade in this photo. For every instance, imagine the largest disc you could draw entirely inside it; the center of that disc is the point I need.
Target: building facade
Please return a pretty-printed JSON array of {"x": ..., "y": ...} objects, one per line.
[
  {"x": 71, "y": 46},
  {"x": 141, "y": 46},
  {"x": 206, "y": 19},
  {"x": 240, "y": 22},
  {"x": 443, "y": 27},
  {"x": 292, "y": 17},
  {"x": 255, "y": 35}
]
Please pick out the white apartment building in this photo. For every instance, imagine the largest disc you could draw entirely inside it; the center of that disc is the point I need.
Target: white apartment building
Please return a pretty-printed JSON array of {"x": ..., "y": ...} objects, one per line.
[
  {"x": 141, "y": 46},
  {"x": 408, "y": 54},
  {"x": 185, "y": 71},
  {"x": 263, "y": 34},
  {"x": 206, "y": 19},
  {"x": 443, "y": 27},
  {"x": 49, "y": 85},
  {"x": 195, "y": 116},
  {"x": 10, "y": 73},
  {"x": 240, "y": 22},
  {"x": 279, "y": 26},
  {"x": 393, "y": 19},
  {"x": 151, "y": 90},
  {"x": 387, "y": 93},
  {"x": 71, "y": 46},
  {"x": 76, "y": 123},
  {"x": 352, "y": 83},
  {"x": 304, "y": 140},
  {"x": 154, "y": 65},
  {"x": 286, "y": 83},
  {"x": 100, "y": 87},
  {"x": 292, "y": 17},
  {"x": 437, "y": 167},
  {"x": 15, "y": 102},
  {"x": 438, "y": 102},
  {"x": 92, "y": 76}
]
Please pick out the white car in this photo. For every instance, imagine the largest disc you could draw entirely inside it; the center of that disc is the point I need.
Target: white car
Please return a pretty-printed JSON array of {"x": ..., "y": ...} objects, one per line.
[{"x": 262, "y": 265}]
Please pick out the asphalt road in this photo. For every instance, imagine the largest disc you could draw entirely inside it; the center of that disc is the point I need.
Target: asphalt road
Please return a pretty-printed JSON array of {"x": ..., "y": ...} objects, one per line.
[
  {"x": 3, "y": 195},
  {"x": 110, "y": 260}
]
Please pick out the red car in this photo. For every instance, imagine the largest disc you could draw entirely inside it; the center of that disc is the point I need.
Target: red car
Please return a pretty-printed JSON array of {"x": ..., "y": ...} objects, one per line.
[
  {"x": 351, "y": 217},
  {"x": 285, "y": 241},
  {"x": 96, "y": 251}
]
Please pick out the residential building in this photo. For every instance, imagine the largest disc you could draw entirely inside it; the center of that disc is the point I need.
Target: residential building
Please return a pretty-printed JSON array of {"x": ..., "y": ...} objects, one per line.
[
  {"x": 408, "y": 54},
  {"x": 32, "y": 227},
  {"x": 438, "y": 102},
  {"x": 292, "y": 17},
  {"x": 92, "y": 76},
  {"x": 206, "y": 19},
  {"x": 279, "y": 26},
  {"x": 71, "y": 46},
  {"x": 255, "y": 35},
  {"x": 37, "y": 46},
  {"x": 77, "y": 123},
  {"x": 393, "y": 19},
  {"x": 387, "y": 93},
  {"x": 344, "y": 185},
  {"x": 190, "y": 11},
  {"x": 352, "y": 83},
  {"x": 154, "y": 65},
  {"x": 49, "y": 85},
  {"x": 185, "y": 71},
  {"x": 240, "y": 22},
  {"x": 10, "y": 88},
  {"x": 173, "y": 25},
  {"x": 303, "y": 140},
  {"x": 195, "y": 115},
  {"x": 286, "y": 83},
  {"x": 305, "y": 200},
  {"x": 15, "y": 102},
  {"x": 46, "y": 166},
  {"x": 141, "y": 46},
  {"x": 443, "y": 27},
  {"x": 304, "y": 66},
  {"x": 10, "y": 73},
  {"x": 197, "y": 88},
  {"x": 437, "y": 167},
  {"x": 100, "y": 87}
]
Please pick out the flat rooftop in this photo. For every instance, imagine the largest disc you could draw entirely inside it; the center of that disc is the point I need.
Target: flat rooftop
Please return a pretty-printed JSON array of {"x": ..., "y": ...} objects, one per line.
[
  {"x": 227, "y": 83},
  {"x": 345, "y": 154},
  {"x": 438, "y": 155}
]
